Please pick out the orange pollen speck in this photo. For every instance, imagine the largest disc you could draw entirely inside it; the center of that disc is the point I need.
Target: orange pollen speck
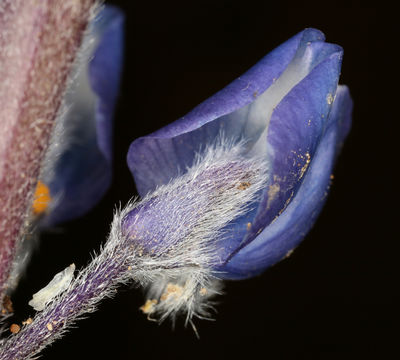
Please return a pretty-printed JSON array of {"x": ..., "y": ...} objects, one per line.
[
  {"x": 41, "y": 198},
  {"x": 14, "y": 328}
]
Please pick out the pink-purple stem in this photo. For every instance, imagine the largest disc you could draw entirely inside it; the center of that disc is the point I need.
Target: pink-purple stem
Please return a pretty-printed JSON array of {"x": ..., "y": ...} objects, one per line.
[{"x": 39, "y": 41}]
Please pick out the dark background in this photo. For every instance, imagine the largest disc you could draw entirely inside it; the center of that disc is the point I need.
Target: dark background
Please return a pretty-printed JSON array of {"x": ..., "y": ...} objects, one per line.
[{"x": 337, "y": 296}]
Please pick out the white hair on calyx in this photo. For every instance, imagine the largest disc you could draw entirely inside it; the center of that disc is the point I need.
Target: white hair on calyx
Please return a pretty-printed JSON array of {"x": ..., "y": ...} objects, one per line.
[{"x": 177, "y": 229}]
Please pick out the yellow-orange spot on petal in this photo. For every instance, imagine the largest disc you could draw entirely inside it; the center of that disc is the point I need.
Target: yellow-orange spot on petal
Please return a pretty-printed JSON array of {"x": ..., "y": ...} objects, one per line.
[{"x": 41, "y": 198}]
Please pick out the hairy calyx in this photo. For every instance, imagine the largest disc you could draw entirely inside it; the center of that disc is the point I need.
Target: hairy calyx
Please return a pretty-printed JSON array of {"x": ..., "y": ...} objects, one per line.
[{"x": 177, "y": 230}]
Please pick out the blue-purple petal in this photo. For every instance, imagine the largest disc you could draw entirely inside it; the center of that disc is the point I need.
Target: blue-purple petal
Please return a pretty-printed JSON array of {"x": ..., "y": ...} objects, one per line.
[
  {"x": 82, "y": 172},
  {"x": 105, "y": 73},
  {"x": 289, "y": 228},
  {"x": 342, "y": 110},
  {"x": 156, "y": 158},
  {"x": 294, "y": 133}
]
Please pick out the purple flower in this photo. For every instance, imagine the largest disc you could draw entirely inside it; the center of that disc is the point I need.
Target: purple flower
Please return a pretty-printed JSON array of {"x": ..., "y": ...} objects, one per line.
[
  {"x": 78, "y": 170},
  {"x": 288, "y": 110}
]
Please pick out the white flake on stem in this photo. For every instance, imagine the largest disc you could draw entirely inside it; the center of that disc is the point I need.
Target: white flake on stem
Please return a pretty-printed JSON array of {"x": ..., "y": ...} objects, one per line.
[{"x": 56, "y": 286}]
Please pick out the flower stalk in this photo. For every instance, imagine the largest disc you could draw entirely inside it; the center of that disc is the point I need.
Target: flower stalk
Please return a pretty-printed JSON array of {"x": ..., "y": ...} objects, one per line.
[{"x": 148, "y": 245}]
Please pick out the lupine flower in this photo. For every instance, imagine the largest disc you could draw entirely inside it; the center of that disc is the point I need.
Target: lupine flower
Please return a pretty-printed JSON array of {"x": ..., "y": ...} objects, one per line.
[
  {"x": 287, "y": 110},
  {"x": 227, "y": 191}
]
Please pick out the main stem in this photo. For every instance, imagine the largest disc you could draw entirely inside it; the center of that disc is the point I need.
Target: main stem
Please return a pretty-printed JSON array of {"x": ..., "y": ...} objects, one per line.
[{"x": 39, "y": 41}]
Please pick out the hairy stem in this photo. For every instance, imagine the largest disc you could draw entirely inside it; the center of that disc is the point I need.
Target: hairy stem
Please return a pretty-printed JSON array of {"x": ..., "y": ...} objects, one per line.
[
  {"x": 97, "y": 281},
  {"x": 168, "y": 242},
  {"x": 39, "y": 41}
]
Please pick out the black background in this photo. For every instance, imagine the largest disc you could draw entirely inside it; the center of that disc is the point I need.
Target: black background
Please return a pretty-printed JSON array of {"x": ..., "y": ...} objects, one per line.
[{"x": 337, "y": 296}]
